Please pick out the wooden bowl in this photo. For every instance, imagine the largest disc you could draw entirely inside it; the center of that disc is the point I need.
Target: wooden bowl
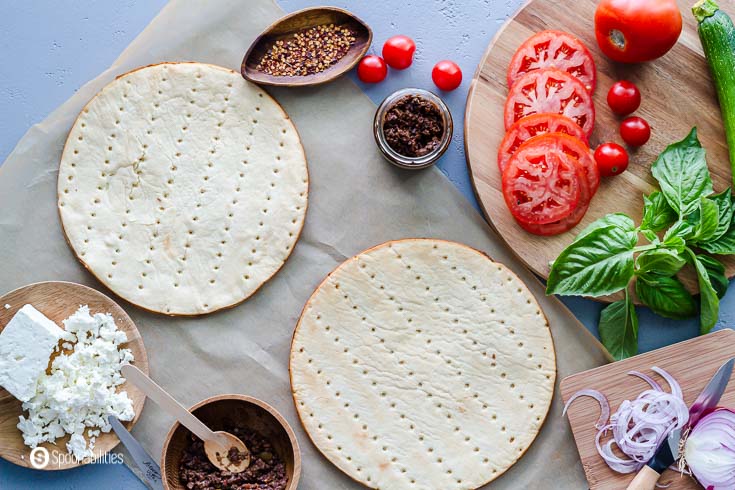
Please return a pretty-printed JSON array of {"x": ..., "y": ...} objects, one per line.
[
  {"x": 58, "y": 301},
  {"x": 303, "y": 19},
  {"x": 243, "y": 410}
]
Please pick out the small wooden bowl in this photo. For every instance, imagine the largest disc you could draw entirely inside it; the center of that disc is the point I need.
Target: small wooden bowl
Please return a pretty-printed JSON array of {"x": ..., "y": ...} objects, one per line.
[
  {"x": 243, "y": 410},
  {"x": 303, "y": 19}
]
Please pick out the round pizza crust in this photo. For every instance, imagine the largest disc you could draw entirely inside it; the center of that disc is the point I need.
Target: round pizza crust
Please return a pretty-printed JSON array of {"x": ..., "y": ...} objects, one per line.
[
  {"x": 422, "y": 363},
  {"x": 182, "y": 187}
]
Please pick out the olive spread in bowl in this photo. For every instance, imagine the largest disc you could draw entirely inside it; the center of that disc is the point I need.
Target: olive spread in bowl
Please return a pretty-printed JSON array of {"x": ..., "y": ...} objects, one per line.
[{"x": 266, "y": 471}]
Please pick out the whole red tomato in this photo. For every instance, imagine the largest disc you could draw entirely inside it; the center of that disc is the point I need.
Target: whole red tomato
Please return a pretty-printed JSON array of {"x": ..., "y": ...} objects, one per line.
[
  {"x": 446, "y": 75},
  {"x": 634, "y": 31},
  {"x": 398, "y": 52},
  {"x": 372, "y": 69}
]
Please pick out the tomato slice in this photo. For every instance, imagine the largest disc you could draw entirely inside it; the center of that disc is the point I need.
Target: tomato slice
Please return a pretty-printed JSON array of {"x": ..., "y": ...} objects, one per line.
[
  {"x": 542, "y": 185},
  {"x": 530, "y": 126},
  {"x": 554, "y": 49},
  {"x": 561, "y": 226},
  {"x": 553, "y": 91},
  {"x": 575, "y": 148},
  {"x": 566, "y": 224}
]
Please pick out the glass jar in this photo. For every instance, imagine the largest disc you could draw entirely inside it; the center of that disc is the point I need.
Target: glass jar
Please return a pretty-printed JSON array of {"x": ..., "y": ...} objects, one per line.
[{"x": 404, "y": 161}]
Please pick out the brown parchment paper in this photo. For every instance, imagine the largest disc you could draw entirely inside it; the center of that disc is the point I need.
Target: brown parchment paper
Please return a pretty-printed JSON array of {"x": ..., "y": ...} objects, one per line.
[{"x": 356, "y": 201}]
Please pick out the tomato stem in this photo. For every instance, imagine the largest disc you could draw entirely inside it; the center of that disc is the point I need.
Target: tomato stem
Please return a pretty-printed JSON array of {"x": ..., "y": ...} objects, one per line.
[{"x": 618, "y": 39}]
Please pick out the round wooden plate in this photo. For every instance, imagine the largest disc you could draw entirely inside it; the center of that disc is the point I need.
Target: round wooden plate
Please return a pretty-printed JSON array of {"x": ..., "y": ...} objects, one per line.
[
  {"x": 677, "y": 94},
  {"x": 58, "y": 301}
]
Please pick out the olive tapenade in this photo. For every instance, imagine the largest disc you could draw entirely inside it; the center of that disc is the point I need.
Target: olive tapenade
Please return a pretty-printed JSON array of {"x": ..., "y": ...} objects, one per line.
[
  {"x": 267, "y": 471},
  {"x": 413, "y": 126}
]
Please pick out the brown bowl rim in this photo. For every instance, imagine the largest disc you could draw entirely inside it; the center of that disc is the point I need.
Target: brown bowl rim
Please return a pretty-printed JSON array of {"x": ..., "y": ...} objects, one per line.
[
  {"x": 311, "y": 80},
  {"x": 292, "y": 484}
]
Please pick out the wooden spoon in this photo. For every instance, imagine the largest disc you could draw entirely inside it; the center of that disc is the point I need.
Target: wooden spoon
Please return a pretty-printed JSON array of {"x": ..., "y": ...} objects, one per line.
[
  {"x": 289, "y": 25},
  {"x": 217, "y": 445}
]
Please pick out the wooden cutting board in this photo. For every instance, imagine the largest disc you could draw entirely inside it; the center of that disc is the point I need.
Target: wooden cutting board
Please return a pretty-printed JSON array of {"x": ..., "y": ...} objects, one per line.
[
  {"x": 58, "y": 301},
  {"x": 691, "y": 363},
  {"x": 677, "y": 94}
]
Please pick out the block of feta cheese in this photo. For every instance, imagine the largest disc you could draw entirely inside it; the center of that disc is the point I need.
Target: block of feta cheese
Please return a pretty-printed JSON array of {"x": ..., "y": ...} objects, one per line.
[{"x": 26, "y": 345}]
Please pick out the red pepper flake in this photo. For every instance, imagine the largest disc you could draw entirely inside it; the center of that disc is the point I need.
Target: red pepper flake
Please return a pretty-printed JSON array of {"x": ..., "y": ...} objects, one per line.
[{"x": 309, "y": 51}]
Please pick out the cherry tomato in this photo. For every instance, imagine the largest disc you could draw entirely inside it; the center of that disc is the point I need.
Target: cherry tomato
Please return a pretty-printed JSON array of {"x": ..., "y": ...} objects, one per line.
[
  {"x": 623, "y": 97},
  {"x": 552, "y": 91},
  {"x": 611, "y": 158},
  {"x": 553, "y": 49},
  {"x": 372, "y": 69},
  {"x": 634, "y": 31},
  {"x": 398, "y": 52},
  {"x": 530, "y": 126},
  {"x": 446, "y": 75},
  {"x": 635, "y": 131}
]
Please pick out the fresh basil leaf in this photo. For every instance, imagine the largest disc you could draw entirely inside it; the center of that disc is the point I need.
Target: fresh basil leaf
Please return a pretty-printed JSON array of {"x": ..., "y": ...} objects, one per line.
[
  {"x": 681, "y": 229},
  {"x": 666, "y": 296},
  {"x": 662, "y": 261},
  {"x": 676, "y": 243},
  {"x": 706, "y": 222},
  {"x": 620, "y": 220},
  {"x": 650, "y": 236},
  {"x": 725, "y": 245},
  {"x": 709, "y": 303},
  {"x": 619, "y": 329},
  {"x": 599, "y": 263},
  {"x": 723, "y": 200},
  {"x": 716, "y": 274},
  {"x": 657, "y": 214},
  {"x": 682, "y": 173}
]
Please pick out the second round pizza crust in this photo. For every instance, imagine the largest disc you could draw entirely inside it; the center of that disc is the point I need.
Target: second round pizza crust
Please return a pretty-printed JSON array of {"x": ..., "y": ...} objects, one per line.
[{"x": 422, "y": 364}]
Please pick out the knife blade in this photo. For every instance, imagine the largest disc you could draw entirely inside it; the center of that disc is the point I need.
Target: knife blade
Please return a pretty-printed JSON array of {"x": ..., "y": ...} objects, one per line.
[
  {"x": 711, "y": 394},
  {"x": 148, "y": 466}
]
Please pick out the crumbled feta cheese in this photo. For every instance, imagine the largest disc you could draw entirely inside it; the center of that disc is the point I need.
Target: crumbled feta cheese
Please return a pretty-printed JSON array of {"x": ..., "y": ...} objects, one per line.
[
  {"x": 26, "y": 345},
  {"x": 7, "y": 306},
  {"x": 81, "y": 389}
]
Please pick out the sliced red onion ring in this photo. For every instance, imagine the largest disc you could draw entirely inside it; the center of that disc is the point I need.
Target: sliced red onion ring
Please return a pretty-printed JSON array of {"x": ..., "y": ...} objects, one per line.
[
  {"x": 638, "y": 426},
  {"x": 654, "y": 384},
  {"x": 675, "y": 389},
  {"x": 601, "y": 399}
]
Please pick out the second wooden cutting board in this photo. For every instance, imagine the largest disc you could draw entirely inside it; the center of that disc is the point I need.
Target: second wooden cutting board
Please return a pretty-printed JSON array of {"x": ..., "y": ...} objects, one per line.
[{"x": 691, "y": 363}]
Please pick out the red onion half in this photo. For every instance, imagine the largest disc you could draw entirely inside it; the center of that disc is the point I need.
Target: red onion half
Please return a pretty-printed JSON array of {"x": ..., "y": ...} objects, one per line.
[
  {"x": 638, "y": 426},
  {"x": 710, "y": 450}
]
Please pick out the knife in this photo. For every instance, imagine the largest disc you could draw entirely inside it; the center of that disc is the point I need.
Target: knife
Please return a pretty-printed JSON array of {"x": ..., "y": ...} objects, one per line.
[
  {"x": 710, "y": 396},
  {"x": 668, "y": 452},
  {"x": 150, "y": 469}
]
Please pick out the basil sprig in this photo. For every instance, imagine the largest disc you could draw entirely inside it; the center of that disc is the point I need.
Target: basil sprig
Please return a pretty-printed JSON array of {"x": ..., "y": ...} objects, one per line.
[{"x": 680, "y": 222}]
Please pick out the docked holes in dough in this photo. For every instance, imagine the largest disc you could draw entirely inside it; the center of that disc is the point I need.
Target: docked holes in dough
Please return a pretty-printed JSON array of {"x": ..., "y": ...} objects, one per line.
[{"x": 143, "y": 113}]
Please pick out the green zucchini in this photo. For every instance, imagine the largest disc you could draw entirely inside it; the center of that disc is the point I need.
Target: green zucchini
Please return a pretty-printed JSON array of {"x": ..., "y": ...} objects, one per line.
[{"x": 717, "y": 33}]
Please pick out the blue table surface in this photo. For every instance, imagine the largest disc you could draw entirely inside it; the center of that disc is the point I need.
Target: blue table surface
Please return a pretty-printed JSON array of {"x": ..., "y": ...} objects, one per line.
[{"x": 53, "y": 48}]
